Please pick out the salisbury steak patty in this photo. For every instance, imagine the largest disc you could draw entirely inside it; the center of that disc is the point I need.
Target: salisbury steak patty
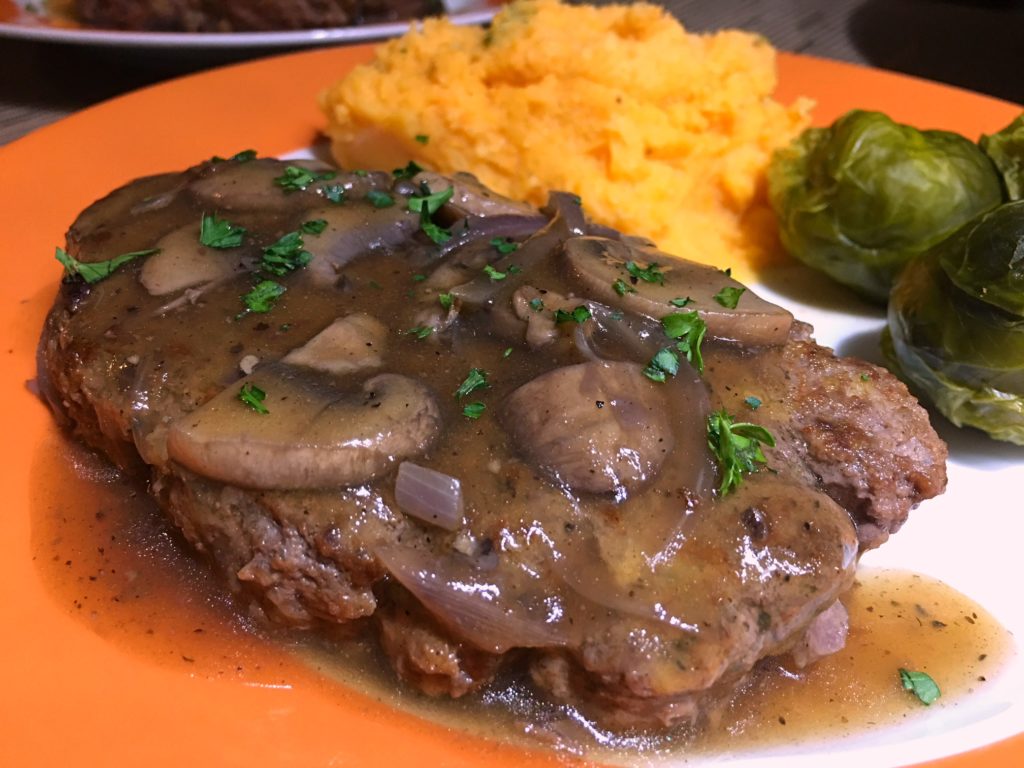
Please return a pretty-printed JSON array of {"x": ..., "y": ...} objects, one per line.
[{"x": 399, "y": 397}]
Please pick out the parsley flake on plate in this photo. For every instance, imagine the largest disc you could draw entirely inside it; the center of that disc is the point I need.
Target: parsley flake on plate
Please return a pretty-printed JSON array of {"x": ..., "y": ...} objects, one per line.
[
  {"x": 313, "y": 227},
  {"x": 420, "y": 331},
  {"x": 921, "y": 685},
  {"x": 380, "y": 199}
]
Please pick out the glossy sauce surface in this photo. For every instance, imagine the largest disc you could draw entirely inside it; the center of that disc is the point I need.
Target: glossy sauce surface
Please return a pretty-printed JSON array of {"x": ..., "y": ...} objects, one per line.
[{"x": 110, "y": 558}]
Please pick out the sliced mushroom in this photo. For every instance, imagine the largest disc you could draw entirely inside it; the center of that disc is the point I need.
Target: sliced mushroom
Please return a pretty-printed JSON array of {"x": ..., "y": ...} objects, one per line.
[
  {"x": 597, "y": 427},
  {"x": 316, "y": 433},
  {"x": 597, "y": 263},
  {"x": 354, "y": 230},
  {"x": 351, "y": 343},
  {"x": 182, "y": 262},
  {"x": 470, "y": 197},
  {"x": 248, "y": 186}
]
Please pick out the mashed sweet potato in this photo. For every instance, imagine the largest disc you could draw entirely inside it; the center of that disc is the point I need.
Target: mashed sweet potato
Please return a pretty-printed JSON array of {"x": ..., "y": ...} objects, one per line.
[{"x": 662, "y": 133}]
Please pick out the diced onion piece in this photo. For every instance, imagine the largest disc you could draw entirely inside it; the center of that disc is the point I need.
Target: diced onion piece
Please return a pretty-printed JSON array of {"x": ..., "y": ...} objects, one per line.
[
  {"x": 428, "y": 495},
  {"x": 481, "y": 608}
]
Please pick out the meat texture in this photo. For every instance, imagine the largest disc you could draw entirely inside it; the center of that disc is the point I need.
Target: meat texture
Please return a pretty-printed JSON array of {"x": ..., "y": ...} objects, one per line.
[{"x": 300, "y": 334}]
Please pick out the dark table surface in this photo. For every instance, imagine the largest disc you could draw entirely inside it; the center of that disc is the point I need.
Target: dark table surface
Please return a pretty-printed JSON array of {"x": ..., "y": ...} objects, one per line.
[{"x": 975, "y": 44}]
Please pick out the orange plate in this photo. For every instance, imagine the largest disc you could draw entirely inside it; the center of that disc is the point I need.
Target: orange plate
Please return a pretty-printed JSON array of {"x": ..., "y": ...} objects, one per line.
[{"x": 68, "y": 696}]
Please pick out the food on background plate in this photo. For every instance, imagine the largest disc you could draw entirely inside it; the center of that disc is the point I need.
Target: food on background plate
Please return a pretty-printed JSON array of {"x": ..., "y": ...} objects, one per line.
[
  {"x": 241, "y": 15},
  {"x": 661, "y": 132},
  {"x": 861, "y": 198},
  {"x": 956, "y": 324},
  {"x": 501, "y": 435}
]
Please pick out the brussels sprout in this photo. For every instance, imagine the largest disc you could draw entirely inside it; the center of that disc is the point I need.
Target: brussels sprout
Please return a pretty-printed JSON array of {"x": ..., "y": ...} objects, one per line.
[
  {"x": 861, "y": 198},
  {"x": 959, "y": 341},
  {"x": 1006, "y": 149}
]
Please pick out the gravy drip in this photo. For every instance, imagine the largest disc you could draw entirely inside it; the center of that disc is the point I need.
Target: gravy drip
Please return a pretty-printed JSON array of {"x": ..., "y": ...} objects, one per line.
[{"x": 109, "y": 556}]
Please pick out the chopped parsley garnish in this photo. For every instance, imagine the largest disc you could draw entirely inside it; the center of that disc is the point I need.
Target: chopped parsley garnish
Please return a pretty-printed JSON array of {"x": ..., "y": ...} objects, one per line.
[
  {"x": 729, "y": 296},
  {"x": 253, "y": 396},
  {"x": 215, "y": 232},
  {"x": 579, "y": 314},
  {"x": 752, "y": 402},
  {"x": 649, "y": 274},
  {"x": 921, "y": 685},
  {"x": 504, "y": 245},
  {"x": 422, "y": 138},
  {"x": 418, "y": 278},
  {"x": 295, "y": 179},
  {"x": 446, "y": 300},
  {"x": 93, "y": 272},
  {"x": 426, "y": 205},
  {"x": 507, "y": 352},
  {"x": 494, "y": 274},
  {"x": 537, "y": 304},
  {"x": 689, "y": 330},
  {"x": 420, "y": 331},
  {"x": 239, "y": 157},
  {"x": 361, "y": 173},
  {"x": 475, "y": 379},
  {"x": 410, "y": 170},
  {"x": 380, "y": 199},
  {"x": 430, "y": 202},
  {"x": 662, "y": 365},
  {"x": 335, "y": 193},
  {"x": 865, "y": 377},
  {"x": 622, "y": 287},
  {"x": 474, "y": 410},
  {"x": 314, "y": 227},
  {"x": 680, "y": 302},
  {"x": 286, "y": 255},
  {"x": 262, "y": 297},
  {"x": 737, "y": 446}
]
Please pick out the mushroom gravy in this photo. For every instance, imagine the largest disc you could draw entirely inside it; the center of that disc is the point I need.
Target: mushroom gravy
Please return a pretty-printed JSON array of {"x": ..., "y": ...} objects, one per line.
[
  {"x": 288, "y": 343},
  {"x": 109, "y": 556}
]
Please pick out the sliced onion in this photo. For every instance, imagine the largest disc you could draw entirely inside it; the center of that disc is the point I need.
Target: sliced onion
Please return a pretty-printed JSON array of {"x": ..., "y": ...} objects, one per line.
[
  {"x": 429, "y": 495},
  {"x": 477, "y": 607}
]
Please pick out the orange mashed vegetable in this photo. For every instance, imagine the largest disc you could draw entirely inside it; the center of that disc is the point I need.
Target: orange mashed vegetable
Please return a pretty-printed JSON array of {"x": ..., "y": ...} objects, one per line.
[{"x": 662, "y": 133}]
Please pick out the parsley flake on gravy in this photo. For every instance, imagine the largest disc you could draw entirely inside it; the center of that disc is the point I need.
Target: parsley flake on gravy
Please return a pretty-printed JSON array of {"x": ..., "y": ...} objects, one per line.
[
  {"x": 286, "y": 255},
  {"x": 664, "y": 364},
  {"x": 921, "y": 685},
  {"x": 475, "y": 379},
  {"x": 93, "y": 272},
  {"x": 503, "y": 245},
  {"x": 729, "y": 296},
  {"x": 579, "y": 314},
  {"x": 474, "y": 410},
  {"x": 737, "y": 446},
  {"x": 621, "y": 287},
  {"x": 296, "y": 179},
  {"x": 445, "y": 300},
  {"x": 314, "y": 227},
  {"x": 689, "y": 329},
  {"x": 649, "y": 274},
  {"x": 420, "y": 331},
  {"x": 253, "y": 396},
  {"x": 215, "y": 232},
  {"x": 494, "y": 274},
  {"x": 380, "y": 199},
  {"x": 680, "y": 301},
  {"x": 262, "y": 297}
]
